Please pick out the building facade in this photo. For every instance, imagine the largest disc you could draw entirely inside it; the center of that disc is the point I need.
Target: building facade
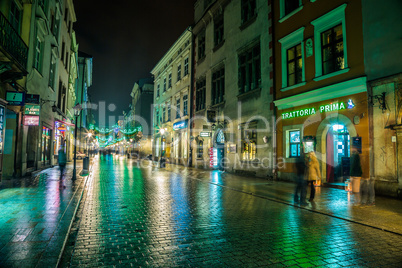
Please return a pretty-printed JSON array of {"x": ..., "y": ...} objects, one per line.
[
  {"x": 382, "y": 41},
  {"x": 233, "y": 113},
  {"x": 320, "y": 86},
  {"x": 172, "y": 81},
  {"x": 142, "y": 96}
]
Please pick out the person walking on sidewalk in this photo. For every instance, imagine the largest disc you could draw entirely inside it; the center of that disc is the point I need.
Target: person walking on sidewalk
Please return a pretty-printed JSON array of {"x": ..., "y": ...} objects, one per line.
[
  {"x": 62, "y": 159},
  {"x": 301, "y": 183},
  {"x": 313, "y": 172}
]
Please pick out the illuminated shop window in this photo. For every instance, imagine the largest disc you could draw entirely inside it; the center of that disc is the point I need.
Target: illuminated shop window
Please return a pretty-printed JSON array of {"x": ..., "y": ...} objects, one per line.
[
  {"x": 200, "y": 149},
  {"x": 294, "y": 143},
  {"x": 249, "y": 142}
]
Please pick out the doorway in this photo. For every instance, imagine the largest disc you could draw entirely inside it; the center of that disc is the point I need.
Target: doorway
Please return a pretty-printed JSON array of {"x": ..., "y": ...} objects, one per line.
[{"x": 338, "y": 153}]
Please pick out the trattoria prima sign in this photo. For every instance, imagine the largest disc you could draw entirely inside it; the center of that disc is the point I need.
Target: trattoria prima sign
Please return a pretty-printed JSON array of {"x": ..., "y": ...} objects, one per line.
[{"x": 331, "y": 107}]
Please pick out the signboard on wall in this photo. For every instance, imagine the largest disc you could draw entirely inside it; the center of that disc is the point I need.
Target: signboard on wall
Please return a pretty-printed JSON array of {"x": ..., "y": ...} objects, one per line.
[
  {"x": 31, "y": 120},
  {"x": 211, "y": 157},
  {"x": 180, "y": 125},
  {"x": 15, "y": 98},
  {"x": 32, "y": 109},
  {"x": 32, "y": 98},
  {"x": 205, "y": 134}
]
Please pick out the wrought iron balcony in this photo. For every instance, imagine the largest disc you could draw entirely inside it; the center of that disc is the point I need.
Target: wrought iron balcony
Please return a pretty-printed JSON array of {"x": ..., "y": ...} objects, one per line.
[{"x": 12, "y": 44}]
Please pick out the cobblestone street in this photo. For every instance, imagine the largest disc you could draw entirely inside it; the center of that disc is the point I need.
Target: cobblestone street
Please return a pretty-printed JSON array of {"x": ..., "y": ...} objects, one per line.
[{"x": 153, "y": 217}]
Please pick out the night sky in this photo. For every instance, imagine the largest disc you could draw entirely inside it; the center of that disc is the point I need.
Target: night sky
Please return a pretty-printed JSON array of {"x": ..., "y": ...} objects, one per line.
[{"x": 126, "y": 40}]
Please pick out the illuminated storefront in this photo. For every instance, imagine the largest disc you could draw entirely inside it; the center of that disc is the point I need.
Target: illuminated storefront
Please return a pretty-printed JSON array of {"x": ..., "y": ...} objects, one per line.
[
  {"x": 180, "y": 141},
  {"x": 46, "y": 145},
  {"x": 329, "y": 127}
]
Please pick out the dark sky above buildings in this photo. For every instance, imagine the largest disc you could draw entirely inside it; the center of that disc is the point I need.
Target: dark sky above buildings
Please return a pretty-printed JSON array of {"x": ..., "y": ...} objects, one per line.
[{"x": 127, "y": 39}]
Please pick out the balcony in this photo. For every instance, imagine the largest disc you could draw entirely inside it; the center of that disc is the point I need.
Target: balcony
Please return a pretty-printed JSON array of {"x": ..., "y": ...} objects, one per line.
[{"x": 12, "y": 46}]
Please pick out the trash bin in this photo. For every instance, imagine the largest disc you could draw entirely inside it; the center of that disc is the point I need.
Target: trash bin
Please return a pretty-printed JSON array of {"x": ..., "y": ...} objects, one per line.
[{"x": 355, "y": 184}]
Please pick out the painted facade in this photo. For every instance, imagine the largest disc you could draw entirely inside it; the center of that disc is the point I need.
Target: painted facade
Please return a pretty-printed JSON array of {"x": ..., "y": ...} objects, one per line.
[
  {"x": 321, "y": 87},
  {"x": 171, "y": 111}
]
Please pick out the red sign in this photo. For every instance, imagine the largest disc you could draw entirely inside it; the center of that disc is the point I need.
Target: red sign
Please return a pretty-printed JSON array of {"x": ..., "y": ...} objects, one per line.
[
  {"x": 211, "y": 157},
  {"x": 31, "y": 120}
]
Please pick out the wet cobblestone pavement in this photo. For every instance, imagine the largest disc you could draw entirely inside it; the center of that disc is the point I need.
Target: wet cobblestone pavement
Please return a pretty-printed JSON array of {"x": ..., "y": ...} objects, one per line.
[
  {"x": 36, "y": 213},
  {"x": 178, "y": 217}
]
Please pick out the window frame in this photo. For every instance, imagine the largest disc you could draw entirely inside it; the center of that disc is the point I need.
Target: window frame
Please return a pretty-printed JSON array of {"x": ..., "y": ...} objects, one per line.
[
  {"x": 245, "y": 128},
  {"x": 185, "y": 104},
  {"x": 170, "y": 81},
  {"x": 219, "y": 30},
  {"x": 282, "y": 7},
  {"x": 200, "y": 149},
  {"x": 333, "y": 18},
  {"x": 218, "y": 86},
  {"x": 200, "y": 94},
  {"x": 286, "y": 141},
  {"x": 287, "y": 42},
  {"x": 201, "y": 44},
  {"x": 246, "y": 84},
  {"x": 332, "y": 45},
  {"x": 186, "y": 60},
  {"x": 15, "y": 19},
  {"x": 294, "y": 143},
  {"x": 249, "y": 7},
  {"x": 178, "y": 72},
  {"x": 178, "y": 111},
  {"x": 38, "y": 58}
]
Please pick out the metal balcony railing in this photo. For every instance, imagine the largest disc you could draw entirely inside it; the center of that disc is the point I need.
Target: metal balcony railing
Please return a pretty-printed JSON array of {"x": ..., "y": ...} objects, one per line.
[{"x": 11, "y": 41}]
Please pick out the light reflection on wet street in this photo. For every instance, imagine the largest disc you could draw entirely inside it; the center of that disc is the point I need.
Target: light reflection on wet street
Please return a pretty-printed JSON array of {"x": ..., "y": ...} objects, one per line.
[{"x": 157, "y": 218}]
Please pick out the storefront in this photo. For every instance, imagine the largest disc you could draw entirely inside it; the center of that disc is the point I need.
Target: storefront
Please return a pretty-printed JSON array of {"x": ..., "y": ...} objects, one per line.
[
  {"x": 217, "y": 152},
  {"x": 180, "y": 142},
  {"x": 46, "y": 146},
  {"x": 330, "y": 128}
]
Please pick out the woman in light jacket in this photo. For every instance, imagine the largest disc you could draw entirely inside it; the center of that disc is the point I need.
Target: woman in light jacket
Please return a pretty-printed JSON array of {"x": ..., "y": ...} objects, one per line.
[{"x": 312, "y": 173}]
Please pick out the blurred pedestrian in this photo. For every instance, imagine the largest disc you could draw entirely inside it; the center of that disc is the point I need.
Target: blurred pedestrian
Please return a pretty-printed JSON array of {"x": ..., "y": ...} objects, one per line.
[
  {"x": 313, "y": 172},
  {"x": 301, "y": 183},
  {"x": 62, "y": 159}
]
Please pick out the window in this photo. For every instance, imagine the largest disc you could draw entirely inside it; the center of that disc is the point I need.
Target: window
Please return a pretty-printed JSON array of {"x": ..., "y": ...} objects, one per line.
[
  {"x": 330, "y": 47},
  {"x": 201, "y": 45},
  {"x": 38, "y": 55},
  {"x": 157, "y": 90},
  {"x": 164, "y": 84},
  {"x": 170, "y": 81},
  {"x": 332, "y": 50},
  {"x": 66, "y": 15},
  {"x": 168, "y": 112},
  {"x": 157, "y": 117},
  {"x": 55, "y": 25},
  {"x": 164, "y": 113},
  {"x": 200, "y": 149},
  {"x": 249, "y": 141},
  {"x": 250, "y": 69},
  {"x": 248, "y": 10},
  {"x": 185, "y": 105},
  {"x": 289, "y": 7},
  {"x": 41, "y": 3},
  {"x": 186, "y": 66},
  {"x": 292, "y": 53},
  {"x": 52, "y": 71},
  {"x": 294, "y": 143},
  {"x": 178, "y": 108},
  {"x": 179, "y": 72},
  {"x": 294, "y": 65},
  {"x": 15, "y": 17},
  {"x": 218, "y": 30},
  {"x": 63, "y": 51},
  {"x": 218, "y": 86},
  {"x": 200, "y": 94}
]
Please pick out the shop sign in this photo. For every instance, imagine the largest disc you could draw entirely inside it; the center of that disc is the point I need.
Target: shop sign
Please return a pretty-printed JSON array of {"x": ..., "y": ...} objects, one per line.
[
  {"x": 2, "y": 123},
  {"x": 32, "y": 109},
  {"x": 211, "y": 157},
  {"x": 205, "y": 134},
  {"x": 15, "y": 98},
  {"x": 338, "y": 106},
  {"x": 31, "y": 120},
  {"x": 180, "y": 125},
  {"x": 32, "y": 98}
]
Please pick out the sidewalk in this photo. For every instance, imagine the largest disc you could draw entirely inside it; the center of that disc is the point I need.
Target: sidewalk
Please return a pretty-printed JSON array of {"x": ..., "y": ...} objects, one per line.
[
  {"x": 385, "y": 215},
  {"x": 36, "y": 214}
]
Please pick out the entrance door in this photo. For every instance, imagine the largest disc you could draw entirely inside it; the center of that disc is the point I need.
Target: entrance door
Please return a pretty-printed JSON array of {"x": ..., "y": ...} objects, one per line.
[
  {"x": 338, "y": 153},
  {"x": 220, "y": 146}
]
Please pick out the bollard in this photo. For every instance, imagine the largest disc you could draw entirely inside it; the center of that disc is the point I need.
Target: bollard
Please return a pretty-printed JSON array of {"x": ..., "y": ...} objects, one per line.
[{"x": 85, "y": 163}]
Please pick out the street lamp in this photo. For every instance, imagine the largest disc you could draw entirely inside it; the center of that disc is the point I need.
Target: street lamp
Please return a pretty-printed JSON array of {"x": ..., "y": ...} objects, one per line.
[{"x": 77, "y": 110}]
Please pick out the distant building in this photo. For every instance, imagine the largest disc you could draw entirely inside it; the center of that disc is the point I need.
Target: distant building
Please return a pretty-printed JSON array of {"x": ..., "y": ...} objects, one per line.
[
  {"x": 142, "y": 96},
  {"x": 172, "y": 83}
]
